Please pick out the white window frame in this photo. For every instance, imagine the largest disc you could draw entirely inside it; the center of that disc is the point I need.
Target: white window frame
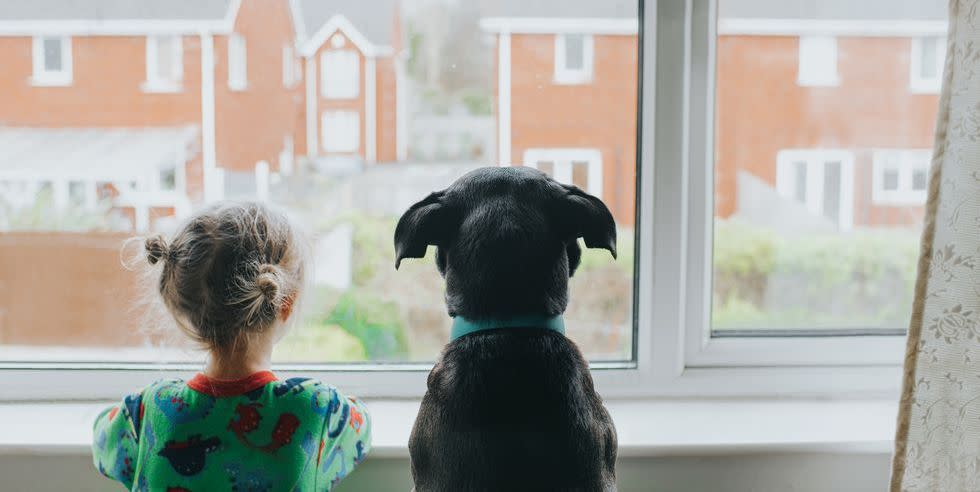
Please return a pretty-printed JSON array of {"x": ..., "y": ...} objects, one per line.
[
  {"x": 907, "y": 161},
  {"x": 333, "y": 145},
  {"x": 574, "y": 76},
  {"x": 155, "y": 82},
  {"x": 290, "y": 67},
  {"x": 237, "y": 62},
  {"x": 52, "y": 78},
  {"x": 926, "y": 85},
  {"x": 816, "y": 160},
  {"x": 563, "y": 158},
  {"x": 674, "y": 354},
  {"x": 343, "y": 82},
  {"x": 811, "y": 58}
]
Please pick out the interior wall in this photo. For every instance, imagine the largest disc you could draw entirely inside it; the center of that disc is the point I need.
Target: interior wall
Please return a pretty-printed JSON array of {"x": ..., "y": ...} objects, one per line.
[{"x": 797, "y": 472}]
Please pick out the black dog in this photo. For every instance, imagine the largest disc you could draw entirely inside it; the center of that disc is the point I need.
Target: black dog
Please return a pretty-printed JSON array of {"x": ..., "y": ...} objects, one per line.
[{"x": 509, "y": 409}]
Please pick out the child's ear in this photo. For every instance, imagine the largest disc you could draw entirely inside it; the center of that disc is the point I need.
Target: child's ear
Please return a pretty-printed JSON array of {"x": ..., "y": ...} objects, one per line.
[{"x": 286, "y": 310}]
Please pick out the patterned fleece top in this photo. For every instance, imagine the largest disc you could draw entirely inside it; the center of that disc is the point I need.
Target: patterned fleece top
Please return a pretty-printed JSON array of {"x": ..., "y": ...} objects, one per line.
[{"x": 252, "y": 434}]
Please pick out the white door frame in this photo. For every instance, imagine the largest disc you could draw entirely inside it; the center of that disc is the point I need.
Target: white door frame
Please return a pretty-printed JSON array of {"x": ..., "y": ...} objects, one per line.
[{"x": 563, "y": 159}]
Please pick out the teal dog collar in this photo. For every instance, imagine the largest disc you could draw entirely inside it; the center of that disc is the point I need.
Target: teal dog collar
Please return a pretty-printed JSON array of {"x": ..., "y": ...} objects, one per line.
[{"x": 463, "y": 326}]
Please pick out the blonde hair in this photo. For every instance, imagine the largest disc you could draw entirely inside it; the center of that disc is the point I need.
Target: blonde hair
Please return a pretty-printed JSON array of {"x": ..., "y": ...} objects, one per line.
[{"x": 229, "y": 271}]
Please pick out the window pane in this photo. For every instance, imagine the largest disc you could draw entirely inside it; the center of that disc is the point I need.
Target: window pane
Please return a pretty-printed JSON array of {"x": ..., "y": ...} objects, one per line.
[
  {"x": 52, "y": 54},
  {"x": 574, "y": 51},
  {"x": 845, "y": 262},
  {"x": 920, "y": 178},
  {"x": 930, "y": 59},
  {"x": 400, "y": 104}
]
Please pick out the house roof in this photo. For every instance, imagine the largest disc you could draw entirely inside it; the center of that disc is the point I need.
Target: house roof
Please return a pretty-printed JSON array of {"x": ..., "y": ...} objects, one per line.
[
  {"x": 918, "y": 10},
  {"x": 373, "y": 20},
  {"x": 101, "y": 154},
  {"x": 560, "y": 9},
  {"x": 96, "y": 10}
]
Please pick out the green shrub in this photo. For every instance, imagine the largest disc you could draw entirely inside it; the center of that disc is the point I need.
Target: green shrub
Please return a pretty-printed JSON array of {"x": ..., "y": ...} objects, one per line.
[{"x": 376, "y": 323}]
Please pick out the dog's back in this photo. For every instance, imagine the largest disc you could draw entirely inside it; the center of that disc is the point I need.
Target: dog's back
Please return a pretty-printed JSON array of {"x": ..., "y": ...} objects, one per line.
[{"x": 511, "y": 410}]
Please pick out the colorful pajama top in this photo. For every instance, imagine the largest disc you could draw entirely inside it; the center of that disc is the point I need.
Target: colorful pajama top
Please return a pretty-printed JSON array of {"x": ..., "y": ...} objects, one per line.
[{"x": 253, "y": 434}]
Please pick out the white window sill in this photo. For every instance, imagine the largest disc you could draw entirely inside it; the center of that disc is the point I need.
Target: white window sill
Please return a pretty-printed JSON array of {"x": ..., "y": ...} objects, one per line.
[
  {"x": 51, "y": 82},
  {"x": 814, "y": 83},
  {"x": 238, "y": 87},
  {"x": 161, "y": 87},
  {"x": 925, "y": 87},
  {"x": 572, "y": 80},
  {"x": 644, "y": 428}
]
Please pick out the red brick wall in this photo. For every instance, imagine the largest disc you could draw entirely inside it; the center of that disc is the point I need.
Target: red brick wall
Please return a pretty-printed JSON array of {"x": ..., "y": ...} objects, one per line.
[
  {"x": 251, "y": 124},
  {"x": 600, "y": 114},
  {"x": 66, "y": 289},
  {"x": 108, "y": 72},
  {"x": 761, "y": 109}
]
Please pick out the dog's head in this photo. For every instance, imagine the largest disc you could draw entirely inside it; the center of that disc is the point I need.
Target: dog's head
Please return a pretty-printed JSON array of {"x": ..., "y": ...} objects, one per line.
[{"x": 506, "y": 239}]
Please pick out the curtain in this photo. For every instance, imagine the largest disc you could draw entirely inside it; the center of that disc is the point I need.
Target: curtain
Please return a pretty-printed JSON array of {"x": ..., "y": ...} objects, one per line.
[{"x": 937, "y": 445}]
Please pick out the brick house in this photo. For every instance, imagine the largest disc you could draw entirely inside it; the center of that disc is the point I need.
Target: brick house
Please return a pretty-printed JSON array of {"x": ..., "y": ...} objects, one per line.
[
  {"x": 842, "y": 121},
  {"x": 151, "y": 104},
  {"x": 566, "y": 92},
  {"x": 353, "y": 80}
]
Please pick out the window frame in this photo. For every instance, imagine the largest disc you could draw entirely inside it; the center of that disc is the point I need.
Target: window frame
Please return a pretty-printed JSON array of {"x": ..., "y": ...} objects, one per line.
[
  {"x": 237, "y": 62},
  {"x": 805, "y": 78},
  {"x": 908, "y": 161},
  {"x": 574, "y": 76},
  {"x": 917, "y": 83},
  {"x": 154, "y": 81},
  {"x": 41, "y": 76},
  {"x": 673, "y": 355},
  {"x": 333, "y": 81}
]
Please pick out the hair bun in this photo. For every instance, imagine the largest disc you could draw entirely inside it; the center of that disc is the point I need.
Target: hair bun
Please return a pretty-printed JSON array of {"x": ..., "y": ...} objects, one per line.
[
  {"x": 156, "y": 249},
  {"x": 268, "y": 281}
]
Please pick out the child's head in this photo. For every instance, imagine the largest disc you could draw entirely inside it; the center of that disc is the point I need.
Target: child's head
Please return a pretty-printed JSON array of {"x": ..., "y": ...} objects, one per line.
[{"x": 233, "y": 271}]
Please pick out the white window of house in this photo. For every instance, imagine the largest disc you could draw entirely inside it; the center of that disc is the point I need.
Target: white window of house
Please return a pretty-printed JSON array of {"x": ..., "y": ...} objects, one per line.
[
  {"x": 573, "y": 58},
  {"x": 927, "y": 58},
  {"x": 237, "y": 62},
  {"x": 579, "y": 167},
  {"x": 290, "y": 67},
  {"x": 900, "y": 176},
  {"x": 820, "y": 180},
  {"x": 818, "y": 61},
  {"x": 340, "y": 74},
  {"x": 52, "y": 60},
  {"x": 164, "y": 63},
  {"x": 341, "y": 131}
]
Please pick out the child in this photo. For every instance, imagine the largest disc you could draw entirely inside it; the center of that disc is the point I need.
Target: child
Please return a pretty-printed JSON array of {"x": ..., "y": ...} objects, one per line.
[{"x": 230, "y": 278}]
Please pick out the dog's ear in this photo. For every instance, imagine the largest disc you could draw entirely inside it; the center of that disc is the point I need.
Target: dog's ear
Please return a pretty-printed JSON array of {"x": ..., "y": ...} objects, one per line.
[
  {"x": 427, "y": 222},
  {"x": 585, "y": 216}
]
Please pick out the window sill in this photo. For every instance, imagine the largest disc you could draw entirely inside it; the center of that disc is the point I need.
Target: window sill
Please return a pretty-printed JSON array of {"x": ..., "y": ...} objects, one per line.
[
  {"x": 645, "y": 428},
  {"x": 160, "y": 88},
  {"x": 50, "y": 82},
  {"x": 572, "y": 80}
]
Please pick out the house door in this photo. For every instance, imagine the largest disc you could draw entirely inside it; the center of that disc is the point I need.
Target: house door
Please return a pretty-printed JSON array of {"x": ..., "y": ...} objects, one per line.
[
  {"x": 822, "y": 180},
  {"x": 579, "y": 167}
]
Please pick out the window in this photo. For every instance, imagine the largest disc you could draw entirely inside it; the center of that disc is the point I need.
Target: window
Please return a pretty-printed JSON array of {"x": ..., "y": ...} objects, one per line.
[
  {"x": 900, "y": 177},
  {"x": 818, "y": 61},
  {"x": 341, "y": 131},
  {"x": 164, "y": 63},
  {"x": 52, "y": 60},
  {"x": 237, "y": 62},
  {"x": 573, "y": 58},
  {"x": 340, "y": 74},
  {"x": 820, "y": 181},
  {"x": 579, "y": 167},
  {"x": 291, "y": 70},
  {"x": 927, "y": 58}
]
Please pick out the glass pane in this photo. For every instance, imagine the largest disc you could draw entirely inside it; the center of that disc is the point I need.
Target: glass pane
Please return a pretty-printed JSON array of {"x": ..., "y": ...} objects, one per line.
[
  {"x": 574, "y": 51},
  {"x": 920, "y": 179},
  {"x": 166, "y": 69},
  {"x": 431, "y": 111},
  {"x": 52, "y": 54},
  {"x": 929, "y": 62},
  {"x": 845, "y": 262},
  {"x": 889, "y": 179}
]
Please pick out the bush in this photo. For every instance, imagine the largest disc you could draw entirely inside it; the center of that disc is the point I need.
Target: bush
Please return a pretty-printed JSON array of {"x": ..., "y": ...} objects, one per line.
[{"x": 374, "y": 322}]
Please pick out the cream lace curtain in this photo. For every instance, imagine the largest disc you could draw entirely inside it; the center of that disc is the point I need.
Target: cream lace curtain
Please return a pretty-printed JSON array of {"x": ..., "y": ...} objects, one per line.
[{"x": 937, "y": 446}]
